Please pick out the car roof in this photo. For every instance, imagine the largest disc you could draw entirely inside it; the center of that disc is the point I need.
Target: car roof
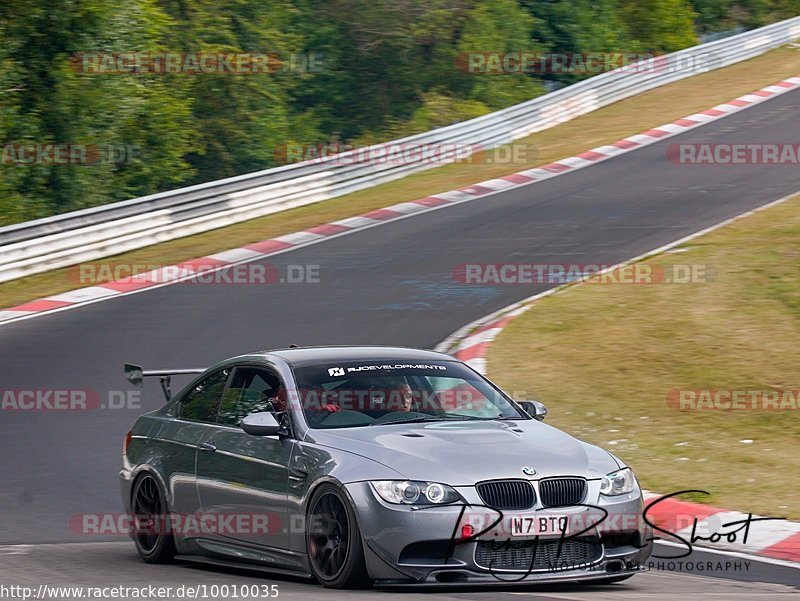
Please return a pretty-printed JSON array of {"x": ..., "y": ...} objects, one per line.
[{"x": 300, "y": 356}]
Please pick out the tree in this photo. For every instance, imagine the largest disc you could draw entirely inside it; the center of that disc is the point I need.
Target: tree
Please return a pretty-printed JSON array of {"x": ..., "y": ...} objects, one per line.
[
  {"x": 381, "y": 56},
  {"x": 499, "y": 27},
  {"x": 659, "y": 26},
  {"x": 379, "y": 69},
  {"x": 54, "y": 102},
  {"x": 239, "y": 118},
  {"x": 580, "y": 26}
]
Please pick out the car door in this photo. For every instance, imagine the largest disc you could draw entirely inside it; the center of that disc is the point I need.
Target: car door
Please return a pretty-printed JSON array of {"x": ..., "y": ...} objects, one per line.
[
  {"x": 242, "y": 479},
  {"x": 195, "y": 416}
]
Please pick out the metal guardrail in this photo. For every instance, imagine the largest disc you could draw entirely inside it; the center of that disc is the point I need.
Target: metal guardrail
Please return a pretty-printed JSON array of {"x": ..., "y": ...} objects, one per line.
[{"x": 61, "y": 240}]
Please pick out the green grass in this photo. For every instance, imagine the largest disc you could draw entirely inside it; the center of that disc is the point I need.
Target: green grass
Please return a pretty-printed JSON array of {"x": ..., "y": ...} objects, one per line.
[
  {"x": 604, "y": 357},
  {"x": 600, "y": 127}
]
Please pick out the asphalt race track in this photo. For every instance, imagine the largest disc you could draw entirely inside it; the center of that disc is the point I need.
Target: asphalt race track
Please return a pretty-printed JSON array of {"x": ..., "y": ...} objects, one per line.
[{"x": 390, "y": 284}]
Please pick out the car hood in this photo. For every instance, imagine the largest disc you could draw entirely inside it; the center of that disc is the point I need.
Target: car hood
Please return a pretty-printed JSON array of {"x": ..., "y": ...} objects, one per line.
[{"x": 463, "y": 453}]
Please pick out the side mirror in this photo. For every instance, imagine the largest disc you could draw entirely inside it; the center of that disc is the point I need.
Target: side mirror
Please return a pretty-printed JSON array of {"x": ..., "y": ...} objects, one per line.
[
  {"x": 535, "y": 409},
  {"x": 261, "y": 424}
]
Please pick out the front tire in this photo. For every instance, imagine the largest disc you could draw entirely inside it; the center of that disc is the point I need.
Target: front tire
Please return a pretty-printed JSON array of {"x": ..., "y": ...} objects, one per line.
[
  {"x": 152, "y": 536},
  {"x": 333, "y": 539}
]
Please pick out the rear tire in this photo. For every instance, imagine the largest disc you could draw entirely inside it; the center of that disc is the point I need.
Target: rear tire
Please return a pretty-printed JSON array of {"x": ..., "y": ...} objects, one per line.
[
  {"x": 152, "y": 536},
  {"x": 333, "y": 540}
]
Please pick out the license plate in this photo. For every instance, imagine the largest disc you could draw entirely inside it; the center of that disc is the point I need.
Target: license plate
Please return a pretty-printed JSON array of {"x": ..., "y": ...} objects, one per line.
[{"x": 535, "y": 525}]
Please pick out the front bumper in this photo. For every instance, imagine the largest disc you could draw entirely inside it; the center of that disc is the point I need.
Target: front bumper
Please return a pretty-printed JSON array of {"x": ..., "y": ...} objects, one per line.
[{"x": 405, "y": 545}]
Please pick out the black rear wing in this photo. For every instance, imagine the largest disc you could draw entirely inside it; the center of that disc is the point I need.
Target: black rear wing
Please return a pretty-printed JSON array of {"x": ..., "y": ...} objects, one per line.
[{"x": 136, "y": 375}]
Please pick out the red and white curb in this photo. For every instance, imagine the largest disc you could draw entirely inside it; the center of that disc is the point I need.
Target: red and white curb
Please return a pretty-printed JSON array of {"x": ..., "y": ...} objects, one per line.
[
  {"x": 773, "y": 539},
  {"x": 259, "y": 250}
]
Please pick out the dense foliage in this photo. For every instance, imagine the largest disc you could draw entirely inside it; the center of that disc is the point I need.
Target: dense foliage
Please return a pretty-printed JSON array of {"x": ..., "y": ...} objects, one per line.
[{"x": 348, "y": 70}]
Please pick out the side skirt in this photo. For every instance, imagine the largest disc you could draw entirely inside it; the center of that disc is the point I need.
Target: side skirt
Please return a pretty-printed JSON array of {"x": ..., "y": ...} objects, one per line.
[{"x": 225, "y": 563}]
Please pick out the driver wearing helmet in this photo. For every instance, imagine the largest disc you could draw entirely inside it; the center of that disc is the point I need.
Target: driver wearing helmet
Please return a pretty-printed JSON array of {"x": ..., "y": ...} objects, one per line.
[
  {"x": 382, "y": 394},
  {"x": 392, "y": 394}
]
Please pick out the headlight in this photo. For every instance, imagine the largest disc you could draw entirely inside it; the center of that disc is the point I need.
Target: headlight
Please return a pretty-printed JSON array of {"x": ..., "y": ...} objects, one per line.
[
  {"x": 618, "y": 483},
  {"x": 411, "y": 492}
]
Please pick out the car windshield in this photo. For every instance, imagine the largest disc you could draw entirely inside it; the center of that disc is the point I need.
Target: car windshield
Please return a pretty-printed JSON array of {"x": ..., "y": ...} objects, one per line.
[{"x": 365, "y": 393}]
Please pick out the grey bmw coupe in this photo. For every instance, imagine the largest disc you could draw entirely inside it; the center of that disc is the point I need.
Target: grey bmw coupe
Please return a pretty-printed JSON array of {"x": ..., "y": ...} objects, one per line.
[{"x": 374, "y": 465}]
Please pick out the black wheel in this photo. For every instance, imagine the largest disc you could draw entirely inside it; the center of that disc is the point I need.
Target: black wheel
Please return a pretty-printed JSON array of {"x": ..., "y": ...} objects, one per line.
[
  {"x": 335, "y": 551},
  {"x": 152, "y": 537}
]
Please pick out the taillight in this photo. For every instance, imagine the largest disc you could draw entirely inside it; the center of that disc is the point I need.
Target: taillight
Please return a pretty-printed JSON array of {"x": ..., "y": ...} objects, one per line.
[{"x": 127, "y": 442}]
